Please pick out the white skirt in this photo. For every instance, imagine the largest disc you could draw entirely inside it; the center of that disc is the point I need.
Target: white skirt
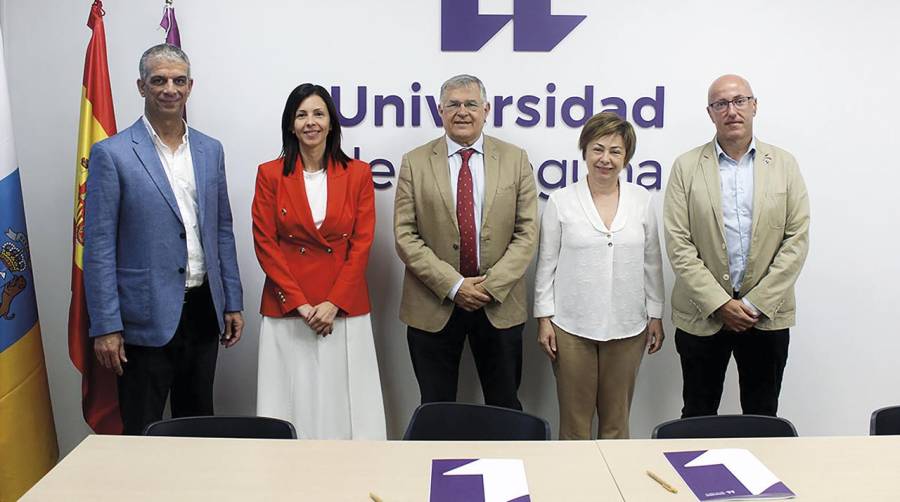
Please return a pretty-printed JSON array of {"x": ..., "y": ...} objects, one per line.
[{"x": 328, "y": 387}]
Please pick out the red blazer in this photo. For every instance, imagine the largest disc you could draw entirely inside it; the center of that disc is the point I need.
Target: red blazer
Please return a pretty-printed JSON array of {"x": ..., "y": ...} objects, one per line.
[{"x": 306, "y": 265}]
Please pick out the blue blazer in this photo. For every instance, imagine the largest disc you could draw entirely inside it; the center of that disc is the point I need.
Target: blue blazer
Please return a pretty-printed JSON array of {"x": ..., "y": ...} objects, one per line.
[{"x": 135, "y": 252}]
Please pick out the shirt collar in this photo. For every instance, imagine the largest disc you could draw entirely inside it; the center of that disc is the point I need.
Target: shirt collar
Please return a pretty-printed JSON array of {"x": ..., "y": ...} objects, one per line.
[
  {"x": 155, "y": 137},
  {"x": 453, "y": 146},
  {"x": 750, "y": 151}
]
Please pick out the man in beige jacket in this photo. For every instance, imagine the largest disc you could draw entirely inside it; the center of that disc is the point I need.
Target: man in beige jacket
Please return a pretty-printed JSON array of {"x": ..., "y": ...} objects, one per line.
[
  {"x": 736, "y": 218},
  {"x": 465, "y": 225}
]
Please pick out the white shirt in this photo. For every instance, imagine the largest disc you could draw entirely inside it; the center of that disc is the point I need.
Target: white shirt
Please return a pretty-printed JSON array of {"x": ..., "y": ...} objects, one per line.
[
  {"x": 317, "y": 194},
  {"x": 597, "y": 282},
  {"x": 476, "y": 167},
  {"x": 179, "y": 169}
]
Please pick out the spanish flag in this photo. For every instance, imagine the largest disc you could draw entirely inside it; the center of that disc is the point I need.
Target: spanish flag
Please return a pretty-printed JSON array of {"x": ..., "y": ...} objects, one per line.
[
  {"x": 28, "y": 447},
  {"x": 99, "y": 399}
]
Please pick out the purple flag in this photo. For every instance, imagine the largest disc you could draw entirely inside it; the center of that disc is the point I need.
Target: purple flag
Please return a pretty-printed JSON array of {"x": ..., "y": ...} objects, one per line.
[{"x": 169, "y": 24}]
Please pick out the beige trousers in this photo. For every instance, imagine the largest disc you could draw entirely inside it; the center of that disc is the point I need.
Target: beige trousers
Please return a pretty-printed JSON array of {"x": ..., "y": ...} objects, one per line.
[{"x": 593, "y": 375}]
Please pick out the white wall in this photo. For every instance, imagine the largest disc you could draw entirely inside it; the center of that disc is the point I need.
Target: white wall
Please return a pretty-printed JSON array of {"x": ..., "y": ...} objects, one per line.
[{"x": 826, "y": 77}]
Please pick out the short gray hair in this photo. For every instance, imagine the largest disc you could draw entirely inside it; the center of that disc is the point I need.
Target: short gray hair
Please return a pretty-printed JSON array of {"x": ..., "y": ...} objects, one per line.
[
  {"x": 162, "y": 51},
  {"x": 462, "y": 81}
]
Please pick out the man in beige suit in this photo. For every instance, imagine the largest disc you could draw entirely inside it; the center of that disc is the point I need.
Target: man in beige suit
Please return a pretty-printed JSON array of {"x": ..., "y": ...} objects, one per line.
[
  {"x": 465, "y": 225},
  {"x": 736, "y": 218}
]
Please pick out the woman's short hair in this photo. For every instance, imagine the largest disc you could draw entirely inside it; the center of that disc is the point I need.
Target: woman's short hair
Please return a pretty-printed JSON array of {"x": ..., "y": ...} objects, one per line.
[{"x": 604, "y": 124}]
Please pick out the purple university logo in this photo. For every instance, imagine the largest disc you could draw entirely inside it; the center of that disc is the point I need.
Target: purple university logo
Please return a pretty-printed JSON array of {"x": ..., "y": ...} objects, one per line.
[
  {"x": 478, "y": 480},
  {"x": 535, "y": 29},
  {"x": 727, "y": 473}
]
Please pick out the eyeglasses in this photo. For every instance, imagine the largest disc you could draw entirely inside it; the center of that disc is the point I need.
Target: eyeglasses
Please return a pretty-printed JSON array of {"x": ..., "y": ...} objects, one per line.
[
  {"x": 454, "y": 106},
  {"x": 739, "y": 102}
]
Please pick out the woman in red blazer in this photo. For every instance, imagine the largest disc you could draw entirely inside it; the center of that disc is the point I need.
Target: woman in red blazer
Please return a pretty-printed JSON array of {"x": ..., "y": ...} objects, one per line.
[{"x": 313, "y": 224}]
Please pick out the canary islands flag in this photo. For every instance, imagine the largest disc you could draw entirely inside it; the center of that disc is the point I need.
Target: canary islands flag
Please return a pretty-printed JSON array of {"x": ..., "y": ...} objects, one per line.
[{"x": 28, "y": 447}]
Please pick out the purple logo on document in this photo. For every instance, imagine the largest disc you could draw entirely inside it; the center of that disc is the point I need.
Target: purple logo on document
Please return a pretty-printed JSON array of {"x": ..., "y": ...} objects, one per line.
[
  {"x": 727, "y": 474},
  {"x": 478, "y": 480}
]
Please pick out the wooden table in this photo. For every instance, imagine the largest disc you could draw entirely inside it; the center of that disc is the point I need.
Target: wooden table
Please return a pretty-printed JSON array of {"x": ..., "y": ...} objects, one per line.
[
  {"x": 126, "y": 469},
  {"x": 819, "y": 469},
  {"x": 121, "y": 468}
]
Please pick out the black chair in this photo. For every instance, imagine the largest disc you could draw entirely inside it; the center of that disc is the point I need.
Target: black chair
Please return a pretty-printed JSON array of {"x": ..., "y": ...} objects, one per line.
[
  {"x": 885, "y": 422},
  {"x": 474, "y": 422},
  {"x": 725, "y": 426},
  {"x": 223, "y": 427}
]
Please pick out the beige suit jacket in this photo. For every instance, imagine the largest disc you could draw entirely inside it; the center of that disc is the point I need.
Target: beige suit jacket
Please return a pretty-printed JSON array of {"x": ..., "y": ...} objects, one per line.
[
  {"x": 695, "y": 239},
  {"x": 426, "y": 233}
]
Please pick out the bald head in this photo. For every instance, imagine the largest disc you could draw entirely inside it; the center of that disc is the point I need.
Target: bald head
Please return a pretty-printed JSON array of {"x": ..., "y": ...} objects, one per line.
[
  {"x": 726, "y": 82},
  {"x": 731, "y": 107}
]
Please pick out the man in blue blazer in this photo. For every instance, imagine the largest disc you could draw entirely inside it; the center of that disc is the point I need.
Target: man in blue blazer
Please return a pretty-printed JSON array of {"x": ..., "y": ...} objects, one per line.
[{"x": 160, "y": 266}]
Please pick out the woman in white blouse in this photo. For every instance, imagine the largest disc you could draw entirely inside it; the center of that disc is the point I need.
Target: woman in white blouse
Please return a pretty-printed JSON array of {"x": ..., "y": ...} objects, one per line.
[{"x": 599, "y": 284}]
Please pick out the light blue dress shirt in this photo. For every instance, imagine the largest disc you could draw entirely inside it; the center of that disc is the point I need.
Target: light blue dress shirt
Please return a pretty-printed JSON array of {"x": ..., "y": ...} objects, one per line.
[{"x": 737, "y": 208}]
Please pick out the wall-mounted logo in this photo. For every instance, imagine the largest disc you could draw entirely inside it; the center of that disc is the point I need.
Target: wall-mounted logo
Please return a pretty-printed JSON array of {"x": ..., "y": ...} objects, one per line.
[{"x": 535, "y": 29}]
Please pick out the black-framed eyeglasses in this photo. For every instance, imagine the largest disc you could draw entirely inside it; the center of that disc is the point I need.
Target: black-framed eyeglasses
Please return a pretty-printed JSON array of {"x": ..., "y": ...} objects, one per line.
[{"x": 739, "y": 102}]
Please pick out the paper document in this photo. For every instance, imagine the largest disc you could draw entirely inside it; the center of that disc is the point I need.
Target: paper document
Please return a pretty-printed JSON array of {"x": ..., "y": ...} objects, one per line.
[
  {"x": 727, "y": 474},
  {"x": 476, "y": 480}
]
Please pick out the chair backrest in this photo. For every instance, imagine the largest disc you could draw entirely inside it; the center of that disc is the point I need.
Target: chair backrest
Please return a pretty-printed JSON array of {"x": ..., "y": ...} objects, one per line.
[
  {"x": 474, "y": 422},
  {"x": 885, "y": 422},
  {"x": 223, "y": 427},
  {"x": 725, "y": 426}
]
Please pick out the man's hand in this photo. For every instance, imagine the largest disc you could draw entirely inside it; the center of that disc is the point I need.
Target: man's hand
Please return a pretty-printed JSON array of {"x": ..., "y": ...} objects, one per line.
[
  {"x": 547, "y": 337},
  {"x": 655, "y": 335},
  {"x": 736, "y": 316},
  {"x": 110, "y": 351},
  {"x": 234, "y": 326},
  {"x": 471, "y": 296},
  {"x": 321, "y": 318}
]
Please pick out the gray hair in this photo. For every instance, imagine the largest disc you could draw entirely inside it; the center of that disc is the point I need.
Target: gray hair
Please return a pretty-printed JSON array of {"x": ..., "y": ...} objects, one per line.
[
  {"x": 462, "y": 81},
  {"x": 162, "y": 51}
]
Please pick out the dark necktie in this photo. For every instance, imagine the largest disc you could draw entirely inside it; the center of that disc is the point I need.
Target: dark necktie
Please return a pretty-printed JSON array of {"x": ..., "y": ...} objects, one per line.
[{"x": 465, "y": 215}]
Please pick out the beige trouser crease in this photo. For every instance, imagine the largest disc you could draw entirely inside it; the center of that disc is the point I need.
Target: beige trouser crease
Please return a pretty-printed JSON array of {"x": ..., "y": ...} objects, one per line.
[{"x": 594, "y": 375}]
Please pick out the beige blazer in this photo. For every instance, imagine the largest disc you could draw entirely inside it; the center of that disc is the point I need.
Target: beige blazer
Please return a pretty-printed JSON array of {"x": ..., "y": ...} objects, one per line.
[
  {"x": 695, "y": 239},
  {"x": 426, "y": 233}
]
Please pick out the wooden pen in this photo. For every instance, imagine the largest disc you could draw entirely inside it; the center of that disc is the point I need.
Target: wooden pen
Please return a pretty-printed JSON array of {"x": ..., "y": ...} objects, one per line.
[{"x": 661, "y": 482}]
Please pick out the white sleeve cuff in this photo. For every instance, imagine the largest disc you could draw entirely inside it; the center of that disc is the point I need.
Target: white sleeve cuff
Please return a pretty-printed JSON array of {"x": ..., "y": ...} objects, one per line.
[{"x": 452, "y": 294}]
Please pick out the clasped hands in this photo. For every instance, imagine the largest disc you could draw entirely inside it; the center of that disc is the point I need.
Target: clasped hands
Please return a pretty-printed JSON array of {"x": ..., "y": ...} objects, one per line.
[
  {"x": 320, "y": 318},
  {"x": 737, "y": 316},
  {"x": 471, "y": 294}
]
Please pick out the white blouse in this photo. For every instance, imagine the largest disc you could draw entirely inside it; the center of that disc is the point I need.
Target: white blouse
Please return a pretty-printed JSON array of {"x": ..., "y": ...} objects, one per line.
[
  {"x": 596, "y": 282},
  {"x": 317, "y": 194}
]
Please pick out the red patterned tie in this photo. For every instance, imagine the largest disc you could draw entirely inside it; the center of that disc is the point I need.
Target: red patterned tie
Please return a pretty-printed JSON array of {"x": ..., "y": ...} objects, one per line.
[{"x": 465, "y": 215}]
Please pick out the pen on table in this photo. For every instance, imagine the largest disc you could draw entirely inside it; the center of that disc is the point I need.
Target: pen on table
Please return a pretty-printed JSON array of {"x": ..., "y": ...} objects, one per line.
[
  {"x": 375, "y": 498},
  {"x": 661, "y": 482}
]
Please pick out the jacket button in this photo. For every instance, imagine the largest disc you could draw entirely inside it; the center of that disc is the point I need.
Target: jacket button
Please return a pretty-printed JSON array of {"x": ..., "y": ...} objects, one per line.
[
  {"x": 455, "y": 246},
  {"x": 725, "y": 277},
  {"x": 343, "y": 236},
  {"x": 329, "y": 250},
  {"x": 180, "y": 270},
  {"x": 291, "y": 236},
  {"x": 302, "y": 250},
  {"x": 609, "y": 244},
  {"x": 182, "y": 235}
]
